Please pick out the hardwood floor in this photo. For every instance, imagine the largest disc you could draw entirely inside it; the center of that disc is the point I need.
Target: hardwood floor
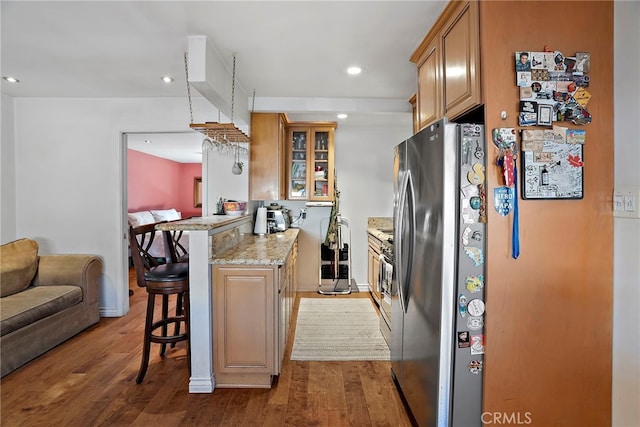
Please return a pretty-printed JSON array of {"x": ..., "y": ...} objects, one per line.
[{"x": 90, "y": 381}]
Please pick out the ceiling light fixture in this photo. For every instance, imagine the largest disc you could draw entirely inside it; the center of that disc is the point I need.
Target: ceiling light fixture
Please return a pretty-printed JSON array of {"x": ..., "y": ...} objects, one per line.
[
  {"x": 167, "y": 79},
  {"x": 11, "y": 79},
  {"x": 342, "y": 116},
  {"x": 354, "y": 70}
]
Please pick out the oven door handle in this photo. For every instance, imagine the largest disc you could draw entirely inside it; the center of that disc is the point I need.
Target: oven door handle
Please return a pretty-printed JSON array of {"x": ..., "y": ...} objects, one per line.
[{"x": 381, "y": 265}]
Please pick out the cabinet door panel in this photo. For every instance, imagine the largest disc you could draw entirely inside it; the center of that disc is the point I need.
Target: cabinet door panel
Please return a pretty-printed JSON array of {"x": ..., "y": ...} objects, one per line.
[
  {"x": 428, "y": 98},
  {"x": 244, "y": 320},
  {"x": 460, "y": 55},
  {"x": 298, "y": 170},
  {"x": 322, "y": 157},
  {"x": 267, "y": 157}
]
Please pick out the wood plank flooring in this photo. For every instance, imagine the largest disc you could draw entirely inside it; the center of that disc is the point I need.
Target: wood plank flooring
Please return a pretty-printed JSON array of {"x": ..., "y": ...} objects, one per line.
[{"x": 90, "y": 381}]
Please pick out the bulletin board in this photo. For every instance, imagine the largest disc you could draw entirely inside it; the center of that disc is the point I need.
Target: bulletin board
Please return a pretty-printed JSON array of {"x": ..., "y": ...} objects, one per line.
[{"x": 555, "y": 172}]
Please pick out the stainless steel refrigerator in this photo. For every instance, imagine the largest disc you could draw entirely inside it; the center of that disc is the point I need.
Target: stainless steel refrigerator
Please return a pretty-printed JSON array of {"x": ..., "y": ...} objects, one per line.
[{"x": 437, "y": 336}]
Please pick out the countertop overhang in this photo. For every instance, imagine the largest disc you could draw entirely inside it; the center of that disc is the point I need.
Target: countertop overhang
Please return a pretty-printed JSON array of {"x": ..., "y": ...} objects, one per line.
[{"x": 202, "y": 223}]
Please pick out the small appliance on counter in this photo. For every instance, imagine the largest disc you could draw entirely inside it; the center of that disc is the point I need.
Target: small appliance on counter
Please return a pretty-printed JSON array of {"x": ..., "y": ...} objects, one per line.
[
  {"x": 278, "y": 218},
  {"x": 260, "y": 225}
]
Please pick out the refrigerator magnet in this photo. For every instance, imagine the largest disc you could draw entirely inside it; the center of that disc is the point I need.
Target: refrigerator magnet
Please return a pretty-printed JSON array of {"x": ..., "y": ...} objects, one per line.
[
  {"x": 475, "y": 323},
  {"x": 475, "y": 202},
  {"x": 462, "y": 305},
  {"x": 477, "y": 344},
  {"x": 474, "y": 284},
  {"x": 475, "y": 366},
  {"x": 476, "y": 175},
  {"x": 466, "y": 234},
  {"x": 475, "y": 307},
  {"x": 463, "y": 339},
  {"x": 475, "y": 254}
]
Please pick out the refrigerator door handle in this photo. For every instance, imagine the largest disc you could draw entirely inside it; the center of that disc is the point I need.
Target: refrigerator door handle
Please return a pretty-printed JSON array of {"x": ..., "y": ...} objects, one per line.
[
  {"x": 397, "y": 239},
  {"x": 406, "y": 195}
]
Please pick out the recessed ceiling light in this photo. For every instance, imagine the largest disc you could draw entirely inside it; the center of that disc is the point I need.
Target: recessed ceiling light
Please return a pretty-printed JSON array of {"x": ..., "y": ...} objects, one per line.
[
  {"x": 354, "y": 70},
  {"x": 342, "y": 116},
  {"x": 11, "y": 79},
  {"x": 167, "y": 79}
]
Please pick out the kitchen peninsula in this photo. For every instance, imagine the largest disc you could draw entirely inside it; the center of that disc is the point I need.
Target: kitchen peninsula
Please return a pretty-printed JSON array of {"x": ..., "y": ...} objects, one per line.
[{"x": 241, "y": 296}]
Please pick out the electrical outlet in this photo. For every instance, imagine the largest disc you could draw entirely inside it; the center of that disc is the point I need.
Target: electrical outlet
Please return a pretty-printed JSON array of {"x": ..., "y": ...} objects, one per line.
[{"x": 625, "y": 202}]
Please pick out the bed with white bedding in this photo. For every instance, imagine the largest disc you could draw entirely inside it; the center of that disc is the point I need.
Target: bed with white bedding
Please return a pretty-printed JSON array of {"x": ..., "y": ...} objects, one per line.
[{"x": 158, "y": 249}]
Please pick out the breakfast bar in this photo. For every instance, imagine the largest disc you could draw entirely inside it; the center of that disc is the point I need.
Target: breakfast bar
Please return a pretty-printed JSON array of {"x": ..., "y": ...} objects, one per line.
[{"x": 214, "y": 241}]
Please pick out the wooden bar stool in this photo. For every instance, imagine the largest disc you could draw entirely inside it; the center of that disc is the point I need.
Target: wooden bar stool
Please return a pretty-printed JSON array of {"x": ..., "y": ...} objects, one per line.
[{"x": 164, "y": 278}]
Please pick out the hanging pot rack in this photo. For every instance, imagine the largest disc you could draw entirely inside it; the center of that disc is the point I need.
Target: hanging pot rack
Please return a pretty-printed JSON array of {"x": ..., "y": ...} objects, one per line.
[
  {"x": 217, "y": 132},
  {"x": 225, "y": 133}
]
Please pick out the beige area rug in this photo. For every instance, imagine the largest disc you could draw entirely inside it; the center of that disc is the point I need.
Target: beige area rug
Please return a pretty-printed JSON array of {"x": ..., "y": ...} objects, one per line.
[{"x": 338, "y": 329}]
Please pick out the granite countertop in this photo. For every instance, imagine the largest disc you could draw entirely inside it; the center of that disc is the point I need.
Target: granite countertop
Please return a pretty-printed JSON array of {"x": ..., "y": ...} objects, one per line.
[
  {"x": 202, "y": 223},
  {"x": 271, "y": 249},
  {"x": 380, "y": 227}
]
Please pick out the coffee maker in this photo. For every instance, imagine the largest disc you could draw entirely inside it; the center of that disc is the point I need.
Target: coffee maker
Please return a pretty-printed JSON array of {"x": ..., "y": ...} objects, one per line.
[{"x": 278, "y": 219}]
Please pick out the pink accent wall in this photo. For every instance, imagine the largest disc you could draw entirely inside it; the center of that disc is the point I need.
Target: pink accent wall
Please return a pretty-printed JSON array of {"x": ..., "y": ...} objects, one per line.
[
  {"x": 189, "y": 171},
  {"x": 157, "y": 183}
]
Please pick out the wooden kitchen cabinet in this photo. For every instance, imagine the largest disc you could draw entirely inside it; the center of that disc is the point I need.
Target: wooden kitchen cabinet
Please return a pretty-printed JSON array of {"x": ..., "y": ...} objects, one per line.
[
  {"x": 252, "y": 308},
  {"x": 285, "y": 306},
  {"x": 268, "y": 157},
  {"x": 245, "y": 325},
  {"x": 374, "y": 250},
  {"x": 448, "y": 61},
  {"x": 428, "y": 98},
  {"x": 310, "y": 154}
]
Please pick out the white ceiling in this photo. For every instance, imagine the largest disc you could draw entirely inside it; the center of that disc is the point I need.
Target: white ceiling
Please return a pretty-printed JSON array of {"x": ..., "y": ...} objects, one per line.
[{"x": 283, "y": 48}]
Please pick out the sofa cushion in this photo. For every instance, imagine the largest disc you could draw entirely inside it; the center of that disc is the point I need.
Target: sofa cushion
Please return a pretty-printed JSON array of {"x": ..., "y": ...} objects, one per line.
[
  {"x": 35, "y": 303},
  {"x": 137, "y": 219},
  {"x": 165, "y": 215},
  {"x": 18, "y": 265}
]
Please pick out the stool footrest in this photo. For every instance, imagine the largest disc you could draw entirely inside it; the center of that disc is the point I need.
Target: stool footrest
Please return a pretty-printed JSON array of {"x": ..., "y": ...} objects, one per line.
[{"x": 161, "y": 339}]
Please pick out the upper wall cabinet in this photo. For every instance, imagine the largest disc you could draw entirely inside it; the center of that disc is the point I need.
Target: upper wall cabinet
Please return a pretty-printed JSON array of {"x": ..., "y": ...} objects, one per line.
[
  {"x": 268, "y": 157},
  {"x": 448, "y": 61},
  {"x": 311, "y": 161}
]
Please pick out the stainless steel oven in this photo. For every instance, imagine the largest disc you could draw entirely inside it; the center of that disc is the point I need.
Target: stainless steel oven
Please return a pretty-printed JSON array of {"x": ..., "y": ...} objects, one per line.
[{"x": 385, "y": 284}]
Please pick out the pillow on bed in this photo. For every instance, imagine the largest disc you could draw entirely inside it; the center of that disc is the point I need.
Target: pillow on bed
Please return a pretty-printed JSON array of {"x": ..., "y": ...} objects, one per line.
[
  {"x": 137, "y": 219},
  {"x": 165, "y": 215}
]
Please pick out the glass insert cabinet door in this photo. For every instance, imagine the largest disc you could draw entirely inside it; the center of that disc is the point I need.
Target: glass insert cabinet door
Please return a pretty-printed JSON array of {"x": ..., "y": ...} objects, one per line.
[
  {"x": 320, "y": 180},
  {"x": 311, "y": 157},
  {"x": 298, "y": 182}
]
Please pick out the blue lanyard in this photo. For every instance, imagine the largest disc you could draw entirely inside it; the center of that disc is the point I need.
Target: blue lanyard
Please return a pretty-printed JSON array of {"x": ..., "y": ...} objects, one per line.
[{"x": 515, "y": 232}]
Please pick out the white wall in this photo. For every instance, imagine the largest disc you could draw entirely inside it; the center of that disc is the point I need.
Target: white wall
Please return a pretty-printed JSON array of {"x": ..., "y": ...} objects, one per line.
[
  {"x": 221, "y": 182},
  {"x": 69, "y": 169},
  {"x": 626, "y": 264},
  {"x": 7, "y": 173},
  {"x": 364, "y": 172},
  {"x": 364, "y": 167}
]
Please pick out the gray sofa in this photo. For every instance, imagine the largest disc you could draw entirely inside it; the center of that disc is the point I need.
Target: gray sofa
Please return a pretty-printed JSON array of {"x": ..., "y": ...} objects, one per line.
[{"x": 44, "y": 300}]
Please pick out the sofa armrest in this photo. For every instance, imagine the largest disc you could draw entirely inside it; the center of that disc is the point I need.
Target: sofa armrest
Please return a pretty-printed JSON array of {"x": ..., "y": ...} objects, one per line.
[{"x": 68, "y": 269}]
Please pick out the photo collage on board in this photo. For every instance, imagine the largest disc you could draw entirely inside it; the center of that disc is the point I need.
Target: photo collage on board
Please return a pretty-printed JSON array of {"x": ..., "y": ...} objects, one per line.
[{"x": 553, "y": 87}]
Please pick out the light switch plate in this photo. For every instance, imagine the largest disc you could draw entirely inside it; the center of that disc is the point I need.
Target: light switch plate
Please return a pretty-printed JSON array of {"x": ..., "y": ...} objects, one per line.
[{"x": 626, "y": 201}]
